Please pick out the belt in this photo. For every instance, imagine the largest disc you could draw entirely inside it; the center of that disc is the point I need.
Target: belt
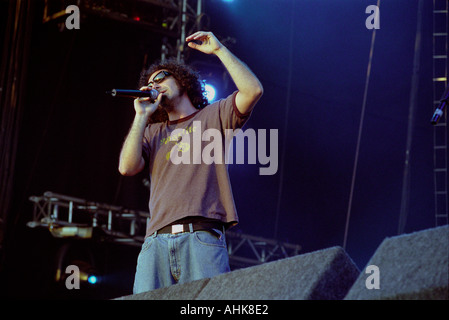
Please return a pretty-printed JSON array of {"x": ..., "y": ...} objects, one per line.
[{"x": 192, "y": 227}]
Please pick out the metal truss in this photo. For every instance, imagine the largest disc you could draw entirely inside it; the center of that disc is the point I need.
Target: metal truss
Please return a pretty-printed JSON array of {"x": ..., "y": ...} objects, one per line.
[
  {"x": 69, "y": 217},
  {"x": 172, "y": 19},
  {"x": 246, "y": 250},
  {"x": 66, "y": 216}
]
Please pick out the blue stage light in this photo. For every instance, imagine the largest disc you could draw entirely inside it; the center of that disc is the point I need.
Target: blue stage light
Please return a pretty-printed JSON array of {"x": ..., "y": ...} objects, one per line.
[
  {"x": 92, "y": 279},
  {"x": 210, "y": 92}
]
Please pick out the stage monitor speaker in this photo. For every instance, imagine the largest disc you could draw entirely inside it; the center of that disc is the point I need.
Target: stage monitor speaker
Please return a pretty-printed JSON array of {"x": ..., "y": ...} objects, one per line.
[
  {"x": 323, "y": 274},
  {"x": 185, "y": 291},
  {"x": 414, "y": 266}
]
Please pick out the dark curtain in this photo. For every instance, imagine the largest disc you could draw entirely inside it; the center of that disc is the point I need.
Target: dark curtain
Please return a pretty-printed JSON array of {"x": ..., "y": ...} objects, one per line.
[{"x": 16, "y": 31}]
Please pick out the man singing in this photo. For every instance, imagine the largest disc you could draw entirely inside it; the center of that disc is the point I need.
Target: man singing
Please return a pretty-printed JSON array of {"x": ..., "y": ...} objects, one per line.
[{"x": 191, "y": 204}]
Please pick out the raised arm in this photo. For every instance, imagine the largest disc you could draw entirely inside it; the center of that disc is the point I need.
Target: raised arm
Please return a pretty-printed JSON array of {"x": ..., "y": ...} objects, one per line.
[{"x": 249, "y": 87}]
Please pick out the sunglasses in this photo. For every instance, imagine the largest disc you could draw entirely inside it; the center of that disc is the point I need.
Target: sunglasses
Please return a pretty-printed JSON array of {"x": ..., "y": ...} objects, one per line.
[{"x": 159, "y": 77}]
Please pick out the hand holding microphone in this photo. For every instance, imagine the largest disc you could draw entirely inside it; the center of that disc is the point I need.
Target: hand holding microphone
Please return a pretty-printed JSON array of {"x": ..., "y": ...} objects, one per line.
[{"x": 146, "y": 100}]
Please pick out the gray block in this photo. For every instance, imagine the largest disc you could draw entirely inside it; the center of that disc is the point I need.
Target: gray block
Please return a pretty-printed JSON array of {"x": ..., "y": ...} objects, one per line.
[
  {"x": 412, "y": 266},
  {"x": 185, "y": 291},
  {"x": 323, "y": 274}
]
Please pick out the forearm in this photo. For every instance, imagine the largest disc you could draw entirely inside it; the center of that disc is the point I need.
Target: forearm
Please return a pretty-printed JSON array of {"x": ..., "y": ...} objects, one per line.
[
  {"x": 243, "y": 77},
  {"x": 131, "y": 161},
  {"x": 249, "y": 87}
]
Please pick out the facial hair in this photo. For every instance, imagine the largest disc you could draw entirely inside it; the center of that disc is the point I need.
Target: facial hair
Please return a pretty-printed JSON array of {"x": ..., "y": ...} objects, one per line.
[{"x": 169, "y": 103}]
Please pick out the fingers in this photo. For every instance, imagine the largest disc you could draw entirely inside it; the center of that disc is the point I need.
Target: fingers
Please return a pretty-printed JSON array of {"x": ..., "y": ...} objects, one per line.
[
  {"x": 148, "y": 99},
  {"x": 141, "y": 99},
  {"x": 193, "y": 45},
  {"x": 203, "y": 41},
  {"x": 197, "y": 35}
]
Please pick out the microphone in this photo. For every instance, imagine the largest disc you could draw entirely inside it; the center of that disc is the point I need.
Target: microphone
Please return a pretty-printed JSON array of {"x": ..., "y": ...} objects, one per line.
[
  {"x": 152, "y": 94},
  {"x": 439, "y": 110}
]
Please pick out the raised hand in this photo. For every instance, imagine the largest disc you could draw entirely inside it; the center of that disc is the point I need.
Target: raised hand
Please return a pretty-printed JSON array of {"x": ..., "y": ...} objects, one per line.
[{"x": 209, "y": 44}]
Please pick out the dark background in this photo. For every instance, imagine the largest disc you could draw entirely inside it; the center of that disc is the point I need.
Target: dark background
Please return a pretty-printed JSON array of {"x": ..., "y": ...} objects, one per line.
[{"x": 311, "y": 57}]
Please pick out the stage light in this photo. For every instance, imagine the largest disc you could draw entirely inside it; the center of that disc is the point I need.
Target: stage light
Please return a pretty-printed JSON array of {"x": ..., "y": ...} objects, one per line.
[
  {"x": 92, "y": 279},
  {"x": 75, "y": 267},
  {"x": 210, "y": 92},
  {"x": 70, "y": 231}
]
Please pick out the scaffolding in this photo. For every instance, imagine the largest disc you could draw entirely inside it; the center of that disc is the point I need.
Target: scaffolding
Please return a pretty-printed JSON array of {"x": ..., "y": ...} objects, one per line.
[
  {"x": 440, "y": 134},
  {"x": 70, "y": 217},
  {"x": 172, "y": 19}
]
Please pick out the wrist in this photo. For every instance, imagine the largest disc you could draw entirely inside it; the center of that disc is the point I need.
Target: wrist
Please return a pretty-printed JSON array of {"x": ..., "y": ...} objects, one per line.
[
  {"x": 221, "y": 51},
  {"x": 141, "y": 118}
]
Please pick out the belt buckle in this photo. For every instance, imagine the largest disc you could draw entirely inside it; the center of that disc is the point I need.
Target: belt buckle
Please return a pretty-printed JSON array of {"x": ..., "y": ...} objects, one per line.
[{"x": 177, "y": 228}]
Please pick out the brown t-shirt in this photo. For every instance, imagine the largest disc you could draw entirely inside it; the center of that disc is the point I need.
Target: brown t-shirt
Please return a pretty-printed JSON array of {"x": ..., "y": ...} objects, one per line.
[{"x": 188, "y": 170}]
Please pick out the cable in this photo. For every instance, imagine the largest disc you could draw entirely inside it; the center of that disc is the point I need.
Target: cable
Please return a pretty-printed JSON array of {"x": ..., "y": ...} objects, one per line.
[
  {"x": 362, "y": 117},
  {"x": 284, "y": 144},
  {"x": 405, "y": 198}
]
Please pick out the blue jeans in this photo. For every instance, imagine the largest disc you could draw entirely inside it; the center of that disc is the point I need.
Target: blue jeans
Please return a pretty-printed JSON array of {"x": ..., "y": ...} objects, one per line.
[{"x": 166, "y": 259}]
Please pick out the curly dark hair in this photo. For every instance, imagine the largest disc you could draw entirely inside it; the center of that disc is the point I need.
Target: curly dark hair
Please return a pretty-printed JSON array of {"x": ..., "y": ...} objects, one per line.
[{"x": 187, "y": 78}]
